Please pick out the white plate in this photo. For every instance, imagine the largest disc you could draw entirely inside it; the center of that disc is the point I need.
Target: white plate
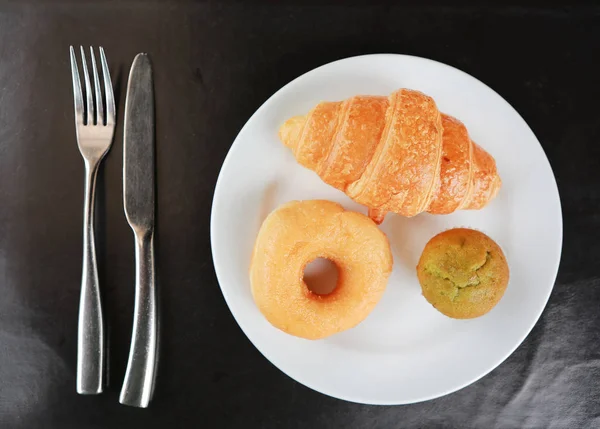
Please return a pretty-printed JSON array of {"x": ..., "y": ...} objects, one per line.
[{"x": 405, "y": 351}]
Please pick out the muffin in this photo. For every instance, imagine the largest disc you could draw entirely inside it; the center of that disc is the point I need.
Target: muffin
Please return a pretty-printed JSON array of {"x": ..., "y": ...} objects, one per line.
[{"x": 463, "y": 273}]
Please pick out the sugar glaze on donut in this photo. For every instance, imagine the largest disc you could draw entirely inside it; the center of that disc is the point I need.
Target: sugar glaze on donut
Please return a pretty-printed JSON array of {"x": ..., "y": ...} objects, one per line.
[{"x": 299, "y": 232}]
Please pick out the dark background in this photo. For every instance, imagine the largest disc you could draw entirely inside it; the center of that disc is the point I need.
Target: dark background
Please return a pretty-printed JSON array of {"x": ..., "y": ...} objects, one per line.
[{"x": 214, "y": 64}]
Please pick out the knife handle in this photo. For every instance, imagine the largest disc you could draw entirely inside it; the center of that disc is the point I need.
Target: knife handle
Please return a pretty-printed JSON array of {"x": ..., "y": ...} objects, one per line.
[
  {"x": 138, "y": 385},
  {"x": 91, "y": 343}
]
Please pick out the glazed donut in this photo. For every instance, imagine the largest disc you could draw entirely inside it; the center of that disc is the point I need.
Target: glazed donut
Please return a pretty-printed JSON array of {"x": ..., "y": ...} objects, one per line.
[{"x": 299, "y": 232}]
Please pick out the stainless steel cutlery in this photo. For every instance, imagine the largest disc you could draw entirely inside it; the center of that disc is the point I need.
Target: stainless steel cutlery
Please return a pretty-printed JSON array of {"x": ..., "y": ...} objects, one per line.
[
  {"x": 95, "y": 126},
  {"x": 95, "y": 120},
  {"x": 138, "y": 194}
]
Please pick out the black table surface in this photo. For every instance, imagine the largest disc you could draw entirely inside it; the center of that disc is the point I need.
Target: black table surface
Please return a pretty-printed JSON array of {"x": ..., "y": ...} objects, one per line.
[{"x": 214, "y": 64}]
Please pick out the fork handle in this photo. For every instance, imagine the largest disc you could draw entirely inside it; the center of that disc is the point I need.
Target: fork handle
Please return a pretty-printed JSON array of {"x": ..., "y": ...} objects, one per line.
[
  {"x": 138, "y": 385},
  {"x": 91, "y": 359}
]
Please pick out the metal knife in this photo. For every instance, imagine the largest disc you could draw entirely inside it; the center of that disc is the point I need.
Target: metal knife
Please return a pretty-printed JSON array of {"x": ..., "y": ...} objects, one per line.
[{"x": 139, "y": 202}]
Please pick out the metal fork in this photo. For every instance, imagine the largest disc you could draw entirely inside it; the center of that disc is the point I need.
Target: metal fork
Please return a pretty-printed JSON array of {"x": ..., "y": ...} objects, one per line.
[{"x": 95, "y": 131}]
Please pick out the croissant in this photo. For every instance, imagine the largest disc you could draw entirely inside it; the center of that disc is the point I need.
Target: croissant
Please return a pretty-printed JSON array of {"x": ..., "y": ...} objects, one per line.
[{"x": 394, "y": 154}]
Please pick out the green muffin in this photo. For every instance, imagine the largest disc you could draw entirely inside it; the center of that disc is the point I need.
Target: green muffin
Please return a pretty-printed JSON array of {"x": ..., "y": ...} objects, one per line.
[{"x": 463, "y": 273}]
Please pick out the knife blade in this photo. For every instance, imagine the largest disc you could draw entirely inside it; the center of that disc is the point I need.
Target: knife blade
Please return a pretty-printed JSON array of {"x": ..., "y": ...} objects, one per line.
[
  {"x": 139, "y": 204},
  {"x": 138, "y": 145}
]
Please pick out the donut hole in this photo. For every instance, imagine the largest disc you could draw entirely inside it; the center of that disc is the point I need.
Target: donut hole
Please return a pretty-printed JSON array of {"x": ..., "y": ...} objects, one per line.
[{"x": 321, "y": 276}]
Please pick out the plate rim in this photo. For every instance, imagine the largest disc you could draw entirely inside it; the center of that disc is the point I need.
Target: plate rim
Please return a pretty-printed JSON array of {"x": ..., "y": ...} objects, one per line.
[{"x": 351, "y": 398}]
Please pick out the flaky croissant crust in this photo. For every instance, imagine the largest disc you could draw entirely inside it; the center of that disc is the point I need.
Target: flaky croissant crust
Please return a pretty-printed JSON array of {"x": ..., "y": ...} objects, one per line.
[{"x": 394, "y": 154}]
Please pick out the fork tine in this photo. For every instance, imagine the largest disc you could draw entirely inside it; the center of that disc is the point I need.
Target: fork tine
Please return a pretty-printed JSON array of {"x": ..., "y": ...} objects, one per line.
[
  {"x": 98, "y": 92},
  {"x": 76, "y": 88},
  {"x": 108, "y": 90},
  {"x": 88, "y": 90}
]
